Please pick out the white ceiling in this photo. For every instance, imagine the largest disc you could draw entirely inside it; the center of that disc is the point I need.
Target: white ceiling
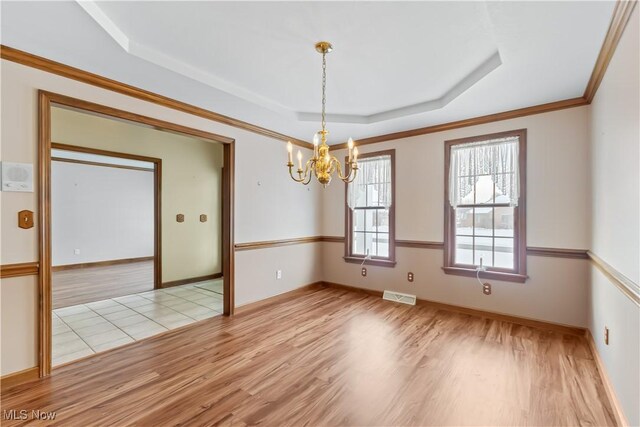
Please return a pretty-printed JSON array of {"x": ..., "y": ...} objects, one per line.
[{"x": 396, "y": 65}]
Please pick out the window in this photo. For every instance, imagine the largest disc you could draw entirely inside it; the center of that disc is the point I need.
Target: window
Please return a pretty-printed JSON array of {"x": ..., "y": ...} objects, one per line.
[
  {"x": 370, "y": 211},
  {"x": 485, "y": 206}
]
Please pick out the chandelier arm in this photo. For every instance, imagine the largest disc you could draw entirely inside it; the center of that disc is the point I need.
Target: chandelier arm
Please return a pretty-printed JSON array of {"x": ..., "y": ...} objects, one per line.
[
  {"x": 302, "y": 175},
  {"x": 349, "y": 178},
  {"x": 293, "y": 177}
]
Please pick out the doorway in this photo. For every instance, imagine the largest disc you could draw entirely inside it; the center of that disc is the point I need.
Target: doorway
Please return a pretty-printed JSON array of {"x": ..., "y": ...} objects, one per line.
[
  {"x": 172, "y": 301},
  {"x": 105, "y": 224}
]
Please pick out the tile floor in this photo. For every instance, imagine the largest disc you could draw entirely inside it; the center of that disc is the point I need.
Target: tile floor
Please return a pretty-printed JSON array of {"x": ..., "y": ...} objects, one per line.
[{"x": 84, "y": 329}]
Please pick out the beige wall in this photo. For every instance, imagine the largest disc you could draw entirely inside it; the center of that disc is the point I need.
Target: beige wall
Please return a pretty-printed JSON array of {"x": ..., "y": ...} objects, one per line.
[
  {"x": 265, "y": 203},
  {"x": 615, "y": 161},
  {"x": 191, "y": 185},
  {"x": 557, "y": 217}
]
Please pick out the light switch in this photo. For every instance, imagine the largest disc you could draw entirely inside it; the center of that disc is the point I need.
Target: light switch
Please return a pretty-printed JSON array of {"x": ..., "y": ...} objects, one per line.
[{"x": 25, "y": 219}]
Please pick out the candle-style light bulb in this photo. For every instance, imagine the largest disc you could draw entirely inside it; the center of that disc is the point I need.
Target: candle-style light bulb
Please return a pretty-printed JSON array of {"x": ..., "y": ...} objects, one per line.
[
  {"x": 290, "y": 150},
  {"x": 315, "y": 145},
  {"x": 299, "y": 159},
  {"x": 350, "y": 145},
  {"x": 355, "y": 154}
]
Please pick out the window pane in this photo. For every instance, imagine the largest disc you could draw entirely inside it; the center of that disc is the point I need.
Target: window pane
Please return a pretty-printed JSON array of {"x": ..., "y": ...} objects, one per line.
[
  {"x": 504, "y": 253},
  {"x": 483, "y": 221},
  {"x": 484, "y": 190},
  {"x": 370, "y": 215},
  {"x": 504, "y": 221},
  {"x": 483, "y": 249},
  {"x": 358, "y": 244},
  {"x": 370, "y": 244},
  {"x": 383, "y": 220},
  {"x": 464, "y": 221},
  {"x": 382, "y": 241},
  {"x": 464, "y": 250},
  {"x": 358, "y": 220}
]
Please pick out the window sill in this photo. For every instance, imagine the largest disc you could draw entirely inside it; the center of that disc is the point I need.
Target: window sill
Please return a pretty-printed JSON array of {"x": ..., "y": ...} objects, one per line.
[
  {"x": 370, "y": 261},
  {"x": 494, "y": 275}
]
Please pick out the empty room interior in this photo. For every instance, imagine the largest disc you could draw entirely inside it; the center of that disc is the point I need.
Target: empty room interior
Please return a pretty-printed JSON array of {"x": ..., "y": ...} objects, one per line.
[{"x": 320, "y": 213}]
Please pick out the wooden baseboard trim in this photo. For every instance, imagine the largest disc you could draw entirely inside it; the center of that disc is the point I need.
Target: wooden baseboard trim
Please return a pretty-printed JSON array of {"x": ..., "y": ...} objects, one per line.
[
  {"x": 190, "y": 280},
  {"x": 539, "y": 324},
  {"x": 253, "y": 306},
  {"x": 100, "y": 263},
  {"x": 622, "y": 282},
  {"x": 618, "y": 413},
  {"x": 20, "y": 377},
  {"x": 18, "y": 270}
]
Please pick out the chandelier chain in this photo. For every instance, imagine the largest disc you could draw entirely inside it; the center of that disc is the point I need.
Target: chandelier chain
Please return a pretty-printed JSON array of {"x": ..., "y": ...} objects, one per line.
[{"x": 324, "y": 85}]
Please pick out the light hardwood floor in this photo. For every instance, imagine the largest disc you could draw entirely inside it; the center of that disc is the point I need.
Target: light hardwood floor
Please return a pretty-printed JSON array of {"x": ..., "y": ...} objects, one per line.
[
  {"x": 331, "y": 357},
  {"x": 83, "y": 285}
]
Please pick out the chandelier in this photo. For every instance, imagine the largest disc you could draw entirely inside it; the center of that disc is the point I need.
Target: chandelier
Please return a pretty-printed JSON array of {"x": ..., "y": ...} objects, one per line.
[{"x": 323, "y": 164}]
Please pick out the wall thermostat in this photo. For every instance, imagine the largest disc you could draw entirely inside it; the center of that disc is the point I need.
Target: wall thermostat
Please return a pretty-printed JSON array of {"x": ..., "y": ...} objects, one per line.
[{"x": 17, "y": 177}]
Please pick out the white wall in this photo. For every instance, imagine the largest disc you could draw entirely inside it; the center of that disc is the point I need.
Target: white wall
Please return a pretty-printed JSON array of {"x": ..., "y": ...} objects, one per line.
[
  {"x": 104, "y": 212},
  {"x": 279, "y": 198},
  {"x": 615, "y": 164},
  {"x": 558, "y": 216}
]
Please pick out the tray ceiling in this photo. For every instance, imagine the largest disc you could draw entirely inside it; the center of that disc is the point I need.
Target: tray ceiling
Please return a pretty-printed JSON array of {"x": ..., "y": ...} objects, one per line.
[{"x": 396, "y": 65}]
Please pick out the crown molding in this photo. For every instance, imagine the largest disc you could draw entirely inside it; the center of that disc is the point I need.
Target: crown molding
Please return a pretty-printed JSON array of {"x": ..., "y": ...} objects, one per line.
[
  {"x": 506, "y": 115},
  {"x": 619, "y": 20},
  {"x": 44, "y": 64}
]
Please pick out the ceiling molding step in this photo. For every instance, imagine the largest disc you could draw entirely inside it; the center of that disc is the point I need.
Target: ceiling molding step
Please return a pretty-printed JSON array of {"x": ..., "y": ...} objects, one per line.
[
  {"x": 44, "y": 64},
  {"x": 168, "y": 62},
  {"x": 619, "y": 20},
  {"x": 480, "y": 72},
  {"x": 505, "y": 115}
]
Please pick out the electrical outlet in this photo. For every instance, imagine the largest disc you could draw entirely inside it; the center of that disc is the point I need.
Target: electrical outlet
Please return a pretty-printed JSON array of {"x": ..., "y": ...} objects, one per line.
[
  {"x": 410, "y": 276},
  {"x": 486, "y": 288},
  {"x": 364, "y": 272},
  {"x": 606, "y": 335},
  {"x": 278, "y": 274},
  {"x": 76, "y": 251}
]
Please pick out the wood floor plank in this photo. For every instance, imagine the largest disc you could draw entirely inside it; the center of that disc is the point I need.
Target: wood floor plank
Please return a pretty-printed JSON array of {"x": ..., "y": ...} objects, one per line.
[
  {"x": 89, "y": 284},
  {"x": 328, "y": 357}
]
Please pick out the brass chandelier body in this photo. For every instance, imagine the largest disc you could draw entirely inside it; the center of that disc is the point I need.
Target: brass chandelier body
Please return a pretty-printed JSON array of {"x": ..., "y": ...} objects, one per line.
[{"x": 323, "y": 164}]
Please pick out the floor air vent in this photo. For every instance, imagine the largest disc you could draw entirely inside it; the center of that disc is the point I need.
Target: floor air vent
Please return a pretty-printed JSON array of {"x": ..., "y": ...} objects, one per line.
[{"x": 399, "y": 297}]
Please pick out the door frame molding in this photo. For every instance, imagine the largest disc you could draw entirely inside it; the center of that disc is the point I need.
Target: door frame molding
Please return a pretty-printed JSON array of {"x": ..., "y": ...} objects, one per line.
[{"x": 45, "y": 101}]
